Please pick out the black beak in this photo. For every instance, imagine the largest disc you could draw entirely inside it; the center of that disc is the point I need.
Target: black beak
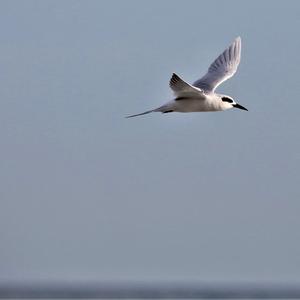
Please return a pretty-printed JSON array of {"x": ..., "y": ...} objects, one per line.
[{"x": 240, "y": 106}]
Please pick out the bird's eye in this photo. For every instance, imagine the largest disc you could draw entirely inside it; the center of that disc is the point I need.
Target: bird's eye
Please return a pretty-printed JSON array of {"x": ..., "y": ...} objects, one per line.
[{"x": 226, "y": 99}]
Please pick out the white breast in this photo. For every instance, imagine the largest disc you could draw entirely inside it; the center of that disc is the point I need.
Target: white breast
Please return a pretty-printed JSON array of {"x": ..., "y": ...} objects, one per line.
[{"x": 210, "y": 103}]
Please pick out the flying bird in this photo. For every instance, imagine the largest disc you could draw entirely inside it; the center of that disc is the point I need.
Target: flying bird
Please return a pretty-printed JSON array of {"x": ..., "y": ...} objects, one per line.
[{"x": 200, "y": 96}]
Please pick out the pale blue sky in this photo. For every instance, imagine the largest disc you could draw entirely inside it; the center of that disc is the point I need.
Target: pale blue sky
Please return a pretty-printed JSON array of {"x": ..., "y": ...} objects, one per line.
[{"x": 86, "y": 194}]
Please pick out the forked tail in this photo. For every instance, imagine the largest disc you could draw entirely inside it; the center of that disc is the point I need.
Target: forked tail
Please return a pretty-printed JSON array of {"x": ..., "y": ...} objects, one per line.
[
  {"x": 163, "y": 109},
  {"x": 143, "y": 113}
]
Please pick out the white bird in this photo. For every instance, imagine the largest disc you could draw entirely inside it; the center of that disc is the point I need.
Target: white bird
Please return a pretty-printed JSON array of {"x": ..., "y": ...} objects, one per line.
[{"x": 201, "y": 96}]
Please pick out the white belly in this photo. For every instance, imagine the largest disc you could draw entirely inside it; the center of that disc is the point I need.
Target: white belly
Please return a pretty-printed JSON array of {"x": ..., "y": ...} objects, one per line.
[{"x": 194, "y": 105}]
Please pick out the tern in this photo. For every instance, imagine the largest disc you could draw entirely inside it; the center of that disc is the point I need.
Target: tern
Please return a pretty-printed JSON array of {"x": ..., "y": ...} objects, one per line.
[{"x": 200, "y": 96}]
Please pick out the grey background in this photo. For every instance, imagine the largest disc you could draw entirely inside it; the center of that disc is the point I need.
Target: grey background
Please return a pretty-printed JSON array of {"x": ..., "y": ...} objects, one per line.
[{"x": 86, "y": 194}]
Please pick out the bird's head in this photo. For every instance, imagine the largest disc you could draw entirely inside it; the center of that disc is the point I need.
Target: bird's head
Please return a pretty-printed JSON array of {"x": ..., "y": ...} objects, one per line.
[{"x": 228, "y": 102}]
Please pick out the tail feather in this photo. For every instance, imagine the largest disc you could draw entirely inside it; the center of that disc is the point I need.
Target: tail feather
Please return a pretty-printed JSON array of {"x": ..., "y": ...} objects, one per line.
[
  {"x": 163, "y": 109},
  {"x": 143, "y": 113}
]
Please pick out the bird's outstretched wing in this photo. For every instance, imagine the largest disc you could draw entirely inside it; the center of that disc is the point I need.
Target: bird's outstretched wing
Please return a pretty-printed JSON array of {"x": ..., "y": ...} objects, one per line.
[
  {"x": 182, "y": 88},
  {"x": 222, "y": 68}
]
